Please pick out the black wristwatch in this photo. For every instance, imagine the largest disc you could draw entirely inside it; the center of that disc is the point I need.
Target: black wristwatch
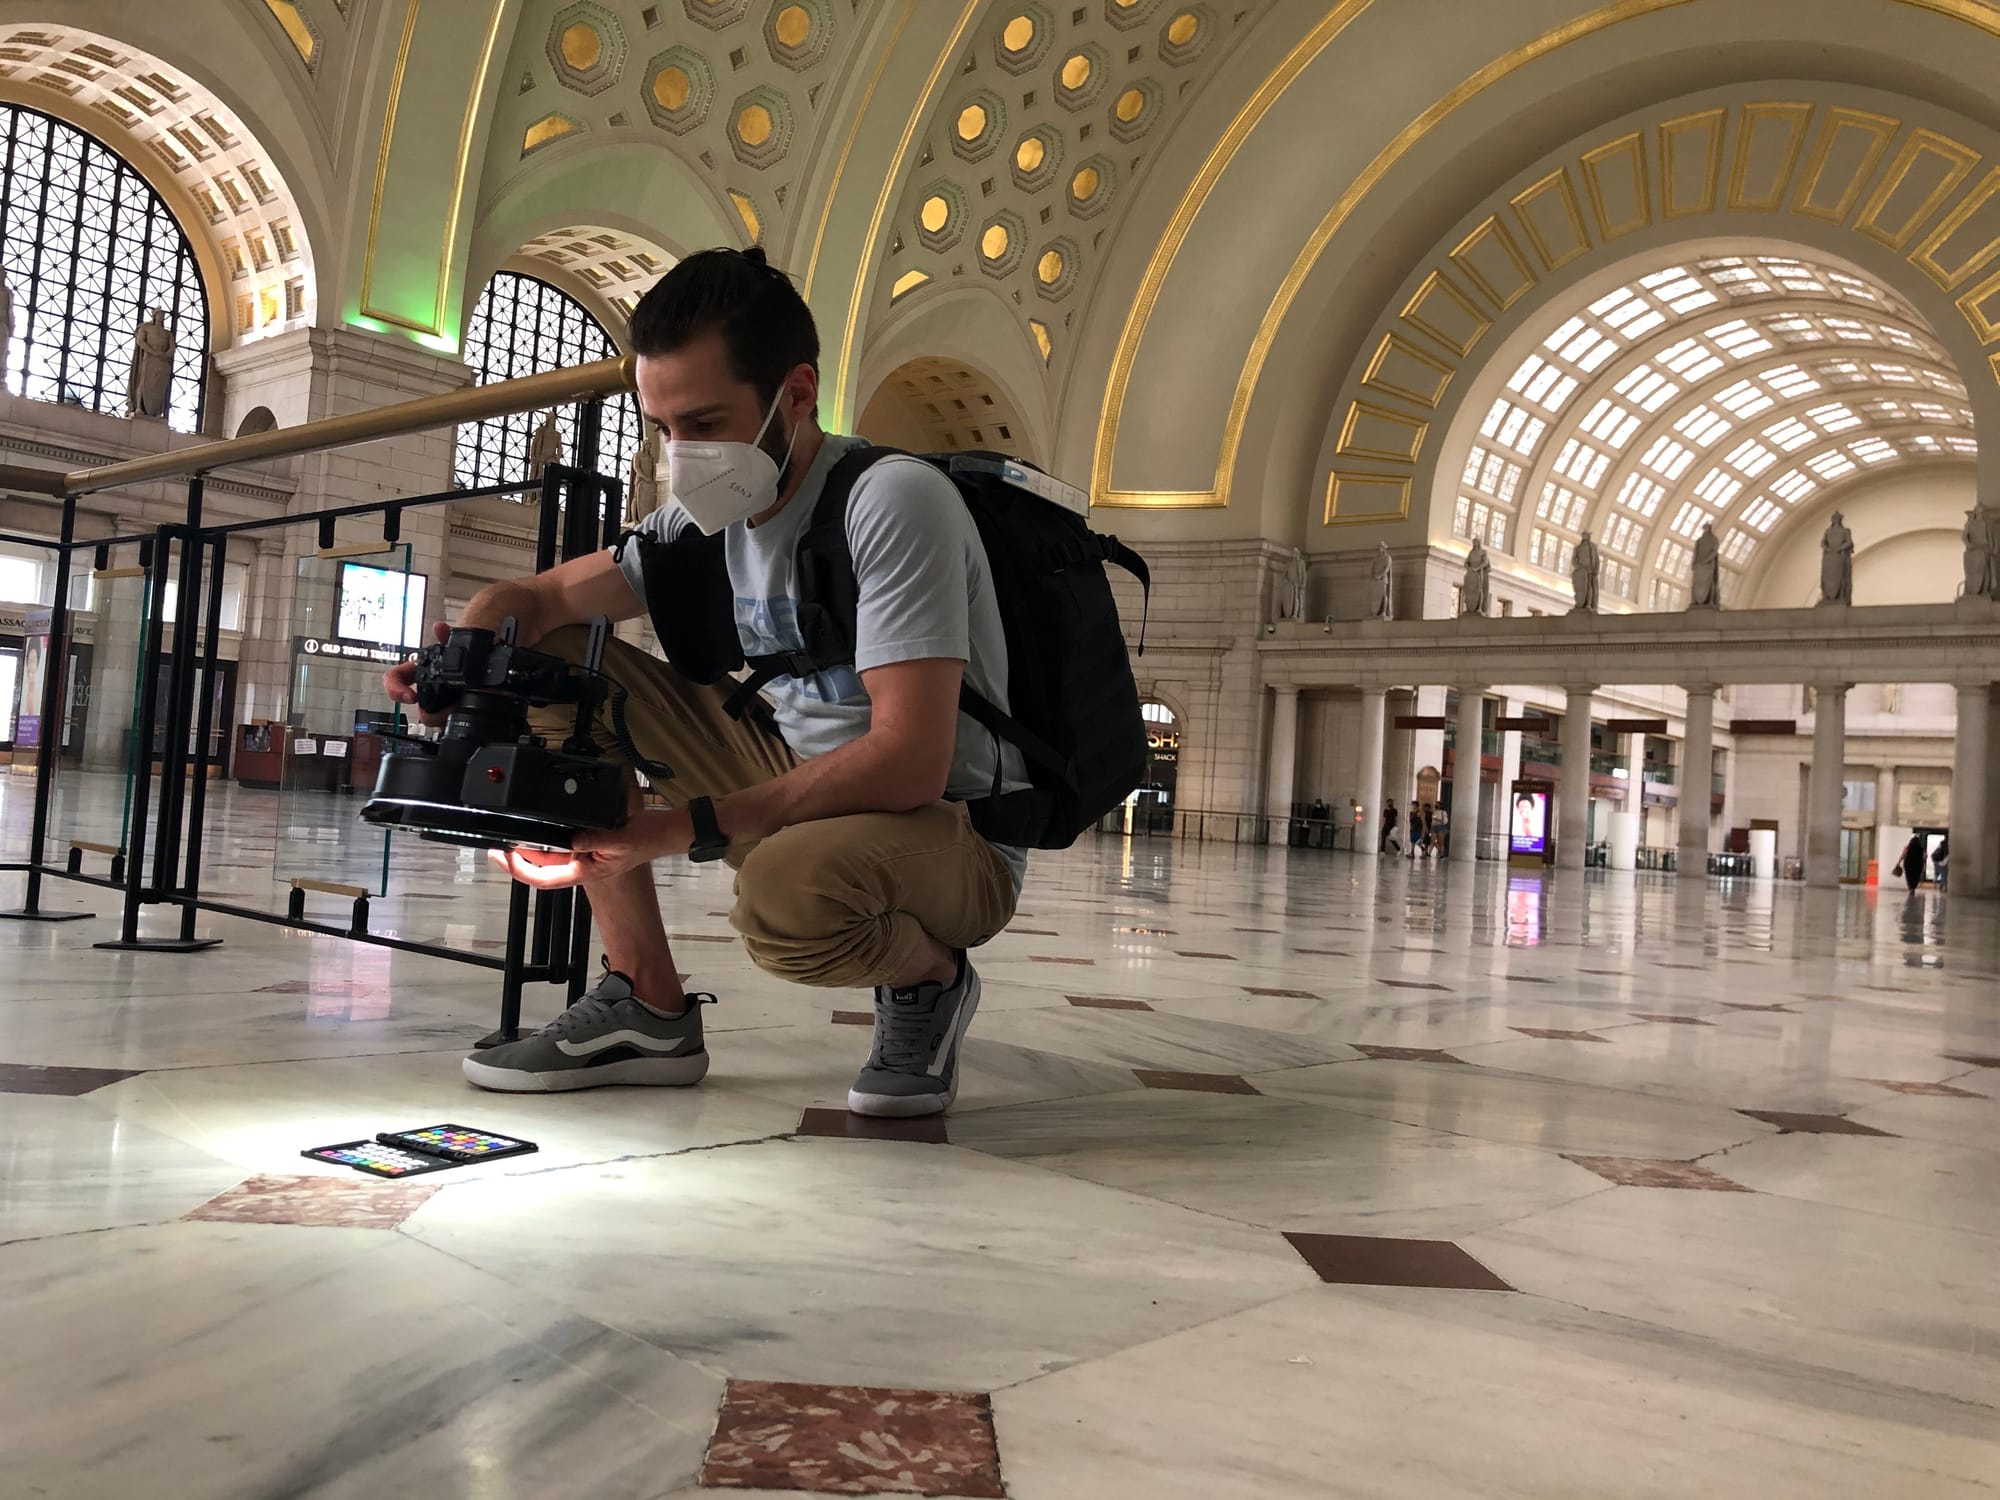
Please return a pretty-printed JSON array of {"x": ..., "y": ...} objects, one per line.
[{"x": 710, "y": 842}]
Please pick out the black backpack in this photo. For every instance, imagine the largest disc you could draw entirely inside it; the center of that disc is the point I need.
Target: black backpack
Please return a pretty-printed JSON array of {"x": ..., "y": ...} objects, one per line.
[{"x": 1074, "y": 706}]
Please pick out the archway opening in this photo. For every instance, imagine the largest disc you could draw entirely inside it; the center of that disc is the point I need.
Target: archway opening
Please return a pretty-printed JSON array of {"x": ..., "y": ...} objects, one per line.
[{"x": 942, "y": 405}]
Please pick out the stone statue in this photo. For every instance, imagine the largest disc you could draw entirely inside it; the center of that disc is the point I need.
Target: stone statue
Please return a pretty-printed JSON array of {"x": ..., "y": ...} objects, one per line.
[
  {"x": 1385, "y": 583},
  {"x": 1836, "y": 564},
  {"x": 1583, "y": 576},
  {"x": 1982, "y": 554},
  {"x": 642, "y": 494},
  {"x": 151, "y": 377},
  {"x": 1706, "y": 590},
  {"x": 1478, "y": 595},
  {"x": 6, "y": 328},
  {"x": 545, "y": 447},
  {"x": 1292, "y": 594}
]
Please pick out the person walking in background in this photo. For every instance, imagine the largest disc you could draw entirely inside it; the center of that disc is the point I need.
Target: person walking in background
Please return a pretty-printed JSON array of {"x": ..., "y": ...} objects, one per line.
[
  {"x": 1416, "y": 830},
  {"x": 1940, "y": 860},
  {"x": 1441, "y": 833},
  {"x": 1388, "y": 828},
  {"x": 1911, "y": 865}
]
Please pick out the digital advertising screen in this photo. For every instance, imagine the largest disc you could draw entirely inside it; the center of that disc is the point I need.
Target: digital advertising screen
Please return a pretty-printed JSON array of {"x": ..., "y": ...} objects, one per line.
[
  {"x": 382, "y": 606},
  {"x": 1528, "y": 822}
]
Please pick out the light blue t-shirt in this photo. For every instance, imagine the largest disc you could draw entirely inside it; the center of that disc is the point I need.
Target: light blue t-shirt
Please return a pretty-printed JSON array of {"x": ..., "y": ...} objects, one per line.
[{"x": 925, "y": 593}]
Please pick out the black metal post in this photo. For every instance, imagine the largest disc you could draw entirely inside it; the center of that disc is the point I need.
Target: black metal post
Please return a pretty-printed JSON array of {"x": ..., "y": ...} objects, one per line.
[
  {"x": 204, "y": 726},
  {"x": 141, "y": 801},
  {"x": 579, "y": 945},
  {"x": 513, "y": 974},
  {"x": 180, "y": 699},
  {"x": 55, "y": 681}
]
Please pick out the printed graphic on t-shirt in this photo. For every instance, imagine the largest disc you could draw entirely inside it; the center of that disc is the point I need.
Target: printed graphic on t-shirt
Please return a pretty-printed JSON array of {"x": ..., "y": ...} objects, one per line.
[{"x": 769, "y": 626}]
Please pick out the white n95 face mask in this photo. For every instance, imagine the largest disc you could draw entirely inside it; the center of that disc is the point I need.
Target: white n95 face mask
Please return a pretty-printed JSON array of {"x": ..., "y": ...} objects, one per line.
[{"x": 721, "y": 483}]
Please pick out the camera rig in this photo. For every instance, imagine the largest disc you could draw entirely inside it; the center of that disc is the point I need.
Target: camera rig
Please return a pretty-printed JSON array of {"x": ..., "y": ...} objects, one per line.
[{"x": 487, "y": 780}]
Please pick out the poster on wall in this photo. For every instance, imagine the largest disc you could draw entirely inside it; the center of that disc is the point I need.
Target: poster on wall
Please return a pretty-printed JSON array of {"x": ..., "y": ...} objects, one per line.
[
  {"x": 380, "y": 606},
  {"x": 1528, "y": 821},
  {"x": 34, "y": 662}
]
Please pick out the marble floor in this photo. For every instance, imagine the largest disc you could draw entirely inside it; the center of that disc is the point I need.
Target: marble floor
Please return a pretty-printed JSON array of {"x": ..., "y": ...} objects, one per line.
[{"x": 1274, "y": 1174}]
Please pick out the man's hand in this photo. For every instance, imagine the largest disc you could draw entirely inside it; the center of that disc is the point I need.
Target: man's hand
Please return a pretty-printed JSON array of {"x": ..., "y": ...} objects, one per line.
[
  {"x": 600, "y": 855},
  {"x": 400, "y": 681}
]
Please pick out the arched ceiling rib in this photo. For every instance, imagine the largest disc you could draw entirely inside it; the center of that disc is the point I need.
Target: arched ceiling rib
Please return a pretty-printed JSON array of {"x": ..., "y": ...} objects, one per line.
[
  {"x": 160, "y": 118},
  {"x": 617, "y": 268},
  {"x": 1724, "y": 390}
]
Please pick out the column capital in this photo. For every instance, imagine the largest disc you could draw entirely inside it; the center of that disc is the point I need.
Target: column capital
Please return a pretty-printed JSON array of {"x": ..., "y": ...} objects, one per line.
[
  {"x": 1704, "y": 689},
  {"x": 1283, "y": 689}
]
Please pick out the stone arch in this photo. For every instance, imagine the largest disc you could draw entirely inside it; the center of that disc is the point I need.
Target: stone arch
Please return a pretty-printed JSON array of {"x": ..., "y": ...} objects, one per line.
[
  {"x": 257, "y": 419},
  {"x": 970, "y": 329}
]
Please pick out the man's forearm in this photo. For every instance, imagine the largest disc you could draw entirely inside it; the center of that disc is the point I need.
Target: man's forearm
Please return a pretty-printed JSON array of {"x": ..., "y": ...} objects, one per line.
[
  {"x": 871, "y": 774},
  {"x": 497, "y": 601}
]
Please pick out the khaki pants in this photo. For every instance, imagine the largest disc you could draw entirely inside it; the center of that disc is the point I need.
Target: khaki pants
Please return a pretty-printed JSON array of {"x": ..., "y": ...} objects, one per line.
[{"x": 841, "y": 903}]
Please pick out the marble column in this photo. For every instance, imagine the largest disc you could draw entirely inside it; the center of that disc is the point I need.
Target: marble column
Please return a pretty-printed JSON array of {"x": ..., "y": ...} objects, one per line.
[
  {"x": 1972, "y": 864},
  {"x": 1573, "y": 794},
  {"x": 1697, "y": 782},
  {"x": 1368, "y": 787},
  {"x": 1823, "y": 787},
  {"x": 1281, "y": 764},
  {"x": 1629, "y": 832},
  {"x": 1470, "y": 734},
  {"x": 1510, "y": 765},
  {"x": 1399, "y": 764}
]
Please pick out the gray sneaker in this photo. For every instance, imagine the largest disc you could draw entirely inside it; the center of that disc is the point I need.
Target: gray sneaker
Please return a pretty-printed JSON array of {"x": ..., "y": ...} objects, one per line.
[
  {"x": 606, "y": 1037},
  {"x": 913, "y": 1067}
]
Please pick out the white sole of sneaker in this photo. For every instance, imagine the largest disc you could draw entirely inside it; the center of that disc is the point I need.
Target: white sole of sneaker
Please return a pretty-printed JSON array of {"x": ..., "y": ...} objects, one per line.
[
  {"x": 657, "y": 1072},
  {"x": 909, "y": 1106}
]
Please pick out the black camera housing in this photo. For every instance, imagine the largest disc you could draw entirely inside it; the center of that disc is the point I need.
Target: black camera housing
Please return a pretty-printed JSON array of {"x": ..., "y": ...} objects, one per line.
[{"x": 487, "y": 781}]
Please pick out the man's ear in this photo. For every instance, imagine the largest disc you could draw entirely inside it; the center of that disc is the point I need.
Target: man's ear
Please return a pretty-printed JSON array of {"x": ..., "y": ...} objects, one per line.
[{"x": 802, "y": 392}]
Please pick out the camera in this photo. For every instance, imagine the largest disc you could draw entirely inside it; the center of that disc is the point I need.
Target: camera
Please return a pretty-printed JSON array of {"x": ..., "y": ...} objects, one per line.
[{"x": 487, "y": 781}]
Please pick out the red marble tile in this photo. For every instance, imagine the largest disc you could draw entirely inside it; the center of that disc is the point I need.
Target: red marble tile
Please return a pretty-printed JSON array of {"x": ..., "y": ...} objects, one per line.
[
  {"x": 27, "y": 1078},
  {"x": 1228, "y": 958},
  {"x": 1043, "y": 958},
  {"x": 842, "y": 1124},
  {"x": 1106, "y": 1002},
  {"x": 1148, "y": 931},
  {"x": 853, "y": 1440},
  {"x": 1358, "y": 1260},
  {"x": 1646, "y": 1015},
  {"x": 854, "y": 1018},
  {"x": 1639, "y": 1171},
  {"x": 1195, "y": 1083},
  {"x": 1412, "y": 984},
  {"x": 356, "y": 1201},
  {"x": 1798, "y": 1124},
  {"x": 1785, "y": 1010},
  {"x": 1406, "y": 1054},
  {"x": 1556, "y": 1034},
  {"x": 1925, "y": 1090},
  {"x": 1251, "y": 989},
  {"x": 1974, "y": 1059}
]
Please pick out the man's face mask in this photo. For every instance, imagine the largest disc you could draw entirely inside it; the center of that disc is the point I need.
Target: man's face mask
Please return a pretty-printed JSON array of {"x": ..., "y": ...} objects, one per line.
[{"x": 721, "y": 483}]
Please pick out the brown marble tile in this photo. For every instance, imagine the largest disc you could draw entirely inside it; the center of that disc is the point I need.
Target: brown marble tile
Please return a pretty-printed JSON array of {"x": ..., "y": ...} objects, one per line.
[
  {"x": 1228, "y": 958},
  {"x": 1557, "y": 1034},
  {"x": 1607, "y": 973},
  {"x": 1106, "y": 1002},
  {"x": 845, "y": 1125},
  {"x": 348, "y": 987},
  {"x": 853, "y": 1440},
  {"x": 1647, "y": 1015},
  {"x": 1974, "y": 1059},
  {"x": 26, "y": 1078},
  {"x": 1797, "y": 1124},
  {"x": 1526, "y": 979},
  {"x": 1640, "y": 1171},
  {"x": 1406, "y": 1054},
  {"x": 1147, "y": 931},
  {"x": 1784, "y": 1010},
  {"x": 1271, "y": 930},
  {"x": 1033, "y": 932},
  {"x": 1251, "y": 989},
  {"x": 1413, "y": 984},
  {"x": 1358, "y": 1260},
  {"x": 1194, "y": 1083},
  {"x": 355, "y": 1201},
  {"x": 1324, "y": 952},
  {"x": 1926, "y": 1090},
  {"x": 854, "y": 1018},
  {"x": 1692, "y": 968},
  {"x": 1044, "y": 958},
  {"x": 701, "y": 937}
]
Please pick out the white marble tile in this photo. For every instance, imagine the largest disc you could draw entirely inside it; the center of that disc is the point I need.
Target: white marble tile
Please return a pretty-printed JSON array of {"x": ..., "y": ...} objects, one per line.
[
  {"x": 1282, "y": 1163},
  {"x": 71, "y": 1165},
  {"x": 1825, "y": 1287},
  {"x": 1135, "y": 1039},
  {"x": 244, "y": 1362},
  {"x": 860, "y": 1262},
  {"x": 1921, "y": 1182},
  {"x": 1473, "y": 1396},
  {"x": 1519, "y": 1108}
]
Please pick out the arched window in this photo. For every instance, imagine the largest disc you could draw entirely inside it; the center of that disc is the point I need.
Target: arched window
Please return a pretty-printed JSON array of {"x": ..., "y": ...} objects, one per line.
[
  {"x": 86, "y": 246},
  {"x": 522, "y": 327}
]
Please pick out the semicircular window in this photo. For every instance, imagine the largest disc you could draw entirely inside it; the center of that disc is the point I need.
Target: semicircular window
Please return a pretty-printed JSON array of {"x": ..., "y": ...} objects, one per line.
[
  {"x": 522, "y": 326},
  {"x": 86, "y": 247}
]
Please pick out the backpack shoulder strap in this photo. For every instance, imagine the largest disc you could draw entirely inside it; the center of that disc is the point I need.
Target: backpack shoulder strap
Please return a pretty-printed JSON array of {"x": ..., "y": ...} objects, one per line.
[{"x": 826, "y": 586}]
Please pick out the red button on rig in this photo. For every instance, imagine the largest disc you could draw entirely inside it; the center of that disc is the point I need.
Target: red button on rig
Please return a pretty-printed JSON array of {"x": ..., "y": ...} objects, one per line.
[{"x": 494, "y": 773}]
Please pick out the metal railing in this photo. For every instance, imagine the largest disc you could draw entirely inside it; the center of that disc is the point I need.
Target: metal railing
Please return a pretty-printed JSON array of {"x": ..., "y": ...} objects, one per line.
[{"x": 547, "y": 937}]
